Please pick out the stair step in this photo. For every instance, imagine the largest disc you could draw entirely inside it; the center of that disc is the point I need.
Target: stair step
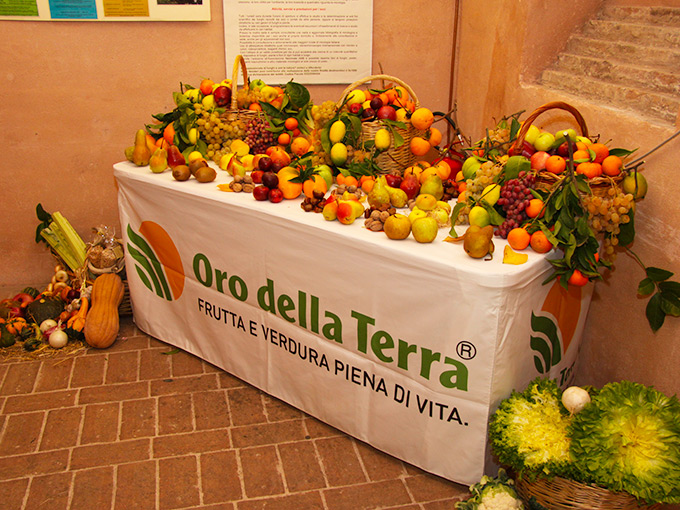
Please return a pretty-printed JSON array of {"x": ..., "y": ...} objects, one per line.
[
  {"x": 652, "y": 15},
  {"x": 642, "y": 34},
  {"x": 655, "y": 106},
  {"x": 626, "y": 52},
  {"x": 645, "y": 78}
]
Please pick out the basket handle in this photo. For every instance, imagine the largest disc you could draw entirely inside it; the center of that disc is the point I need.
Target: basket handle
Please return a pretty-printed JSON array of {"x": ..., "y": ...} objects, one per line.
[
  {"x": 555, "y": 105},
  {"x": 354, "y": 85},
  {"x": 238, "y": 62}
]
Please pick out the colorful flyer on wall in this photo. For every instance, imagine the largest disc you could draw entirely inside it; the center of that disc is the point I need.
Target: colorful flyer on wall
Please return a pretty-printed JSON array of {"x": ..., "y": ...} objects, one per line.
[
  {"x": 105, "y": 10},
  {"x": 313, "y": 42}
]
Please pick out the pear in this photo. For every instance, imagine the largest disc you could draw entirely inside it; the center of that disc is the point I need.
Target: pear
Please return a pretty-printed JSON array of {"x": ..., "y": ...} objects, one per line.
[
  {"x": 379, "y": 196},
  {"x": 433, "y": 186},
  {"x": 158, "y": 161},
  {"x": 141, "y": 153},
  {"x": 398, "y": 197},
  {"x": 128, "y": 152},
  {"x": 477, "y": 242},
  {"x": 175, "y": 157}
]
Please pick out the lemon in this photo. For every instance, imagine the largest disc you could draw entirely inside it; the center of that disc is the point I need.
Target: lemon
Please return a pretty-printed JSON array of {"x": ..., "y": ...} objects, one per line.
[
  {"x": 339, "y": 154},
  {"x": 337, "y": 131},
  {"x": 356, "y": 96},
  {"x": 479, "y": 216},
  {"x": 382, "y": 139}
]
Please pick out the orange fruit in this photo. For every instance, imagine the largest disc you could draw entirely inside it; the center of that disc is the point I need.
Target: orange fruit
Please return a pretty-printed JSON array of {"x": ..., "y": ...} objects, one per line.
[
  {"x": 299, "y": 146},
  {"x": 315, "y": 183},
  {"x": 611, "y": 165},
  {"x": 402, "y": 95},
  {"x": 206, "y": 86},
  {"x": 535, "y": 208},
  {"x": 601, "y": 151},
  {"x": 350, "y": 180},
  {"x": 589, "y": 169},
  {"x": 255, "y": 107},
  {"x": 518, "y": 238},
  {"x": 291, "y": 123},
  {"x": 577, "y": 279},
  {"x": 290, "y": 190},
  {"x": 340, "y": 179},
  {"x": 422, "y": 119},
  {"x": 435, "y": 137},
  {"x": 366, "y": 183},
  {"x": 540, "y": 243},
  {"x": 283, "y": 139},
  {"x": 555, "y": 164},
  {"x": 443, "y": 170},
  {"x": 391, "y": 95},
  {"x": 419, "y": 146},
  {"x": 581, "y": 146},
  {"x": 581, "y": 155}
]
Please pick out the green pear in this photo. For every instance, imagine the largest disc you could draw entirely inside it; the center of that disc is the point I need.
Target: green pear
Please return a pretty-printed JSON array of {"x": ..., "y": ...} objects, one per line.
[
  {"x": 379, "y": 196},
  {"x": 398, "y": 197},
  {"x": 478, "y": 241},
  {"x": 433, "y": 186},
  {"x": 158, "y": 161}
]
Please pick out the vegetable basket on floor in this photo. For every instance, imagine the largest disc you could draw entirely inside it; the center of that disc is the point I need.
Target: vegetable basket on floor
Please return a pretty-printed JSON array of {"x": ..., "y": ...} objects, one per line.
[{"x": 563, "y": 494}]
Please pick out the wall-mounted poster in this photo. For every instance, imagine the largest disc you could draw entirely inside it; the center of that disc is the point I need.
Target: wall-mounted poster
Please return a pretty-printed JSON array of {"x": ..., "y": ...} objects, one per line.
[
  {"x": 105, "y": 10},
  {"x": 312, "y": 42}
]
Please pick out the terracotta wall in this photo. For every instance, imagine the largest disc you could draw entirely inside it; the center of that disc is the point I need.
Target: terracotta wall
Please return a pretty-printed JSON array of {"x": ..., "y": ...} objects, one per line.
[{"x": 499, "y": 70}]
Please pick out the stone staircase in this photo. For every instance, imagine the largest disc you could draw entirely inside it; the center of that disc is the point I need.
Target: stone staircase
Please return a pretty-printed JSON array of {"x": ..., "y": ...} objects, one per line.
[{"x": 626, "y": 58}]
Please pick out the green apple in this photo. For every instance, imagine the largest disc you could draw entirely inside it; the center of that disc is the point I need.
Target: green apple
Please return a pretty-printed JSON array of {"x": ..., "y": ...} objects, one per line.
[
  {"x": 635, "y": 184},
  {"x": 479, "y": 216},
  {"x": 532, "y": 134},
  {"x": 425, "y": 229},
  {"x": 257, "y": 84},
  {"x": 562, "y": 135},
  {"x": 491, "y": 194},
  {"x": 544, "y": 141},
  {"x": 327, "y": 173},
  {"x": 416, "y": 213},
  {"x": 470, "y": 167},
  {"x": 397, "y": 226}
]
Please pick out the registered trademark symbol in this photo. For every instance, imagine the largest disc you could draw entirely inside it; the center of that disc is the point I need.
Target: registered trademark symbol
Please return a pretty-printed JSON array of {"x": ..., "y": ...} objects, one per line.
[{"x": 466, "y": 350}]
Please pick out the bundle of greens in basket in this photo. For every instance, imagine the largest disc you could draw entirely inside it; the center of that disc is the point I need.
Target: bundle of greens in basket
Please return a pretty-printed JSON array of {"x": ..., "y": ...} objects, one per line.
[{"x": 623, "y": 438}]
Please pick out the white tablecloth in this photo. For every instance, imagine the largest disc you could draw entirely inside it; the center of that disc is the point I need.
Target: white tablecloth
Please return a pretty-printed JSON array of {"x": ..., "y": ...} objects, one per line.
[{"x": 406, "y": 346}]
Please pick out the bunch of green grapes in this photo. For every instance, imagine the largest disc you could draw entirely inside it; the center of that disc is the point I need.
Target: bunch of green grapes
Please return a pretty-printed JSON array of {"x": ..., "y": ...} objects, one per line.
[
  {"x": 217, "y": 132},
  {"x": 475, "y": 186},
  {"x": 606, "y": 214},
  {"x": 322, "y": 113},
  {"x": 247, "y": 96}
]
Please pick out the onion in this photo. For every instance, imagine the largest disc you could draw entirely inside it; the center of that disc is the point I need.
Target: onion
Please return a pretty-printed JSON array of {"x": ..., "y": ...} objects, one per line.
[
  {"x": 575, "y": 399},
  {"x": 58, "y": 338},
  {"x": 47, "y": 324}
]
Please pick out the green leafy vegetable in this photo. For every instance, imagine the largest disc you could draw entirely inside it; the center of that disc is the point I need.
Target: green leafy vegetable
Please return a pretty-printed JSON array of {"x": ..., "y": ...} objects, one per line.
[
  {"x": 528, "y": 431},
  {"x": 628, "y": 439},
  {"x": 492, "y": 494}
]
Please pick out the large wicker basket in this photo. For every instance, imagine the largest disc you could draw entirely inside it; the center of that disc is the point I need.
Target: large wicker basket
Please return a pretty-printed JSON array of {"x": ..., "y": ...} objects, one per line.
[
  {"x": 395, "y": 159},
  {"x": 234, "y": 113},
  {"x": 546, "y": 180},
  {"x": 563, "y": 494}
]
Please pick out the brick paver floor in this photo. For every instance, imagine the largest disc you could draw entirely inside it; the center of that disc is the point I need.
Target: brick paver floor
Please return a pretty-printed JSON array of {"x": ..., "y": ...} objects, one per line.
[{"x": 143, "y": 426}]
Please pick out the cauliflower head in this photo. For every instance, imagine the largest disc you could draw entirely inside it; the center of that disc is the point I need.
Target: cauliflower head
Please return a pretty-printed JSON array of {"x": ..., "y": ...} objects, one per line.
[{"x": 493, "y": 494}]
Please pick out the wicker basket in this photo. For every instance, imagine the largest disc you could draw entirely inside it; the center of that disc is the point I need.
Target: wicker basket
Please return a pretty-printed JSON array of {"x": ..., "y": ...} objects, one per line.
[
  {"x": 234, "y": 113},
  {"x": 563, "y": 494},
  {"x": 547, "y": 180},
  {"x": 395, "y": 159}
]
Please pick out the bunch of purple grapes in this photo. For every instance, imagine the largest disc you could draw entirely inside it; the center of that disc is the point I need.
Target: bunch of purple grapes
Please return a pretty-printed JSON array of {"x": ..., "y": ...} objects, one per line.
[
  {"x": 258, "y": 137},
  {"x": 515, "y": 197}
]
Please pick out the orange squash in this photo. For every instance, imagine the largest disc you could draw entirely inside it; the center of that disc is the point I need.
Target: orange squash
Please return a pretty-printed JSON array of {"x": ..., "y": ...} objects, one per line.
[{"x": 102, "y": 320}]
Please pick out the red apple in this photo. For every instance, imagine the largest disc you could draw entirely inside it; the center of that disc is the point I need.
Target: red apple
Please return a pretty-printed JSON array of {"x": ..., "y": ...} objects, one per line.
[
  {"x": 410, "y": 185},
  {"x": 538, "y": 160},
  {"x": 387, "y": 112},
  {"x": 270, "y": 180},
  {"x": 393, "y": 180},
  {"x": 222, "y": 95},
  {"x": 355, "y": 108},
  {"x": 261, "y": 193},
  {"x": 275, "y": 195}
]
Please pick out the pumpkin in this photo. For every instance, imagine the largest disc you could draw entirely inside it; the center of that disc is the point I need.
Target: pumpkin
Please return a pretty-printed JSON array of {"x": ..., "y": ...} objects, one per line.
[{"x": 102, "y": 321}]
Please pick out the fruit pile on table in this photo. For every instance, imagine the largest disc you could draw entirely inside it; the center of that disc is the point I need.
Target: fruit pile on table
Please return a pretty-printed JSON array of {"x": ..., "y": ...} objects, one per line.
[{"x": 538, "y": 190}]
